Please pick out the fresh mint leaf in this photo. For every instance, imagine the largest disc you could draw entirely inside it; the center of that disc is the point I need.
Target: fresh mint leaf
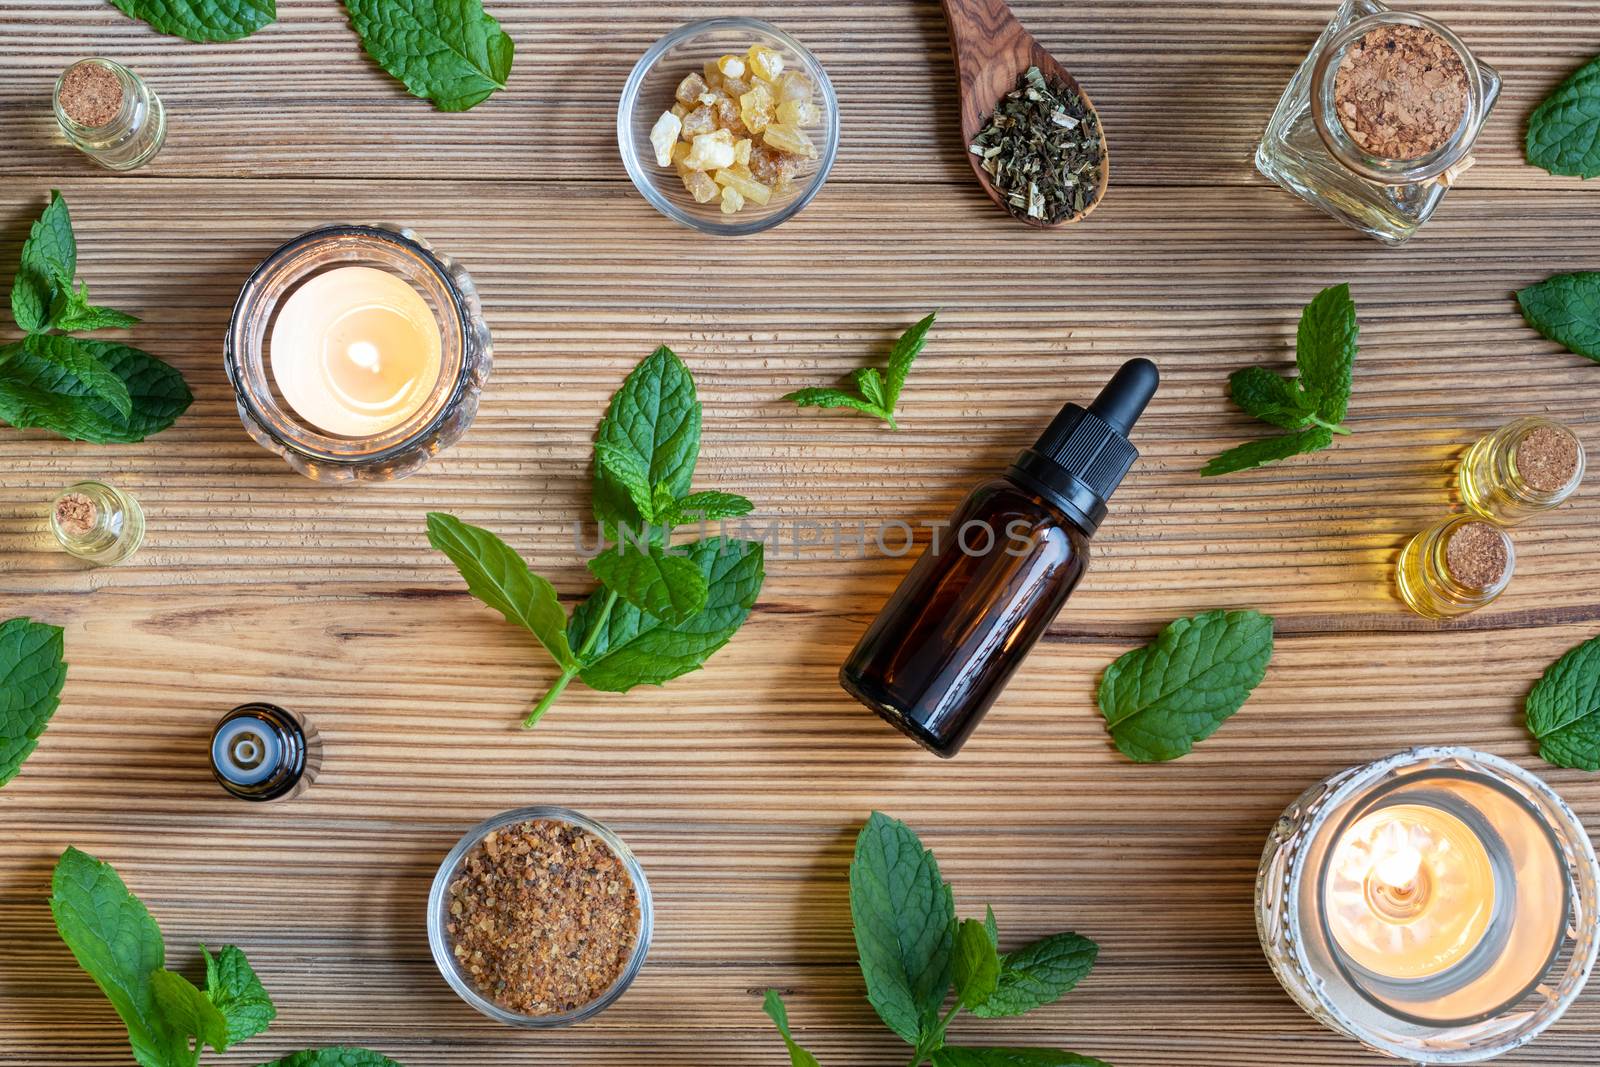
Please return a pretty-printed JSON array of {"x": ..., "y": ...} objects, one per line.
[
  {"x": 189, "y": 1016},
  {"x": 1159, "y": 700},
  {"x": 117, "y": 943},
  {"x": 905, "y": 924},
  {"x": 334, "y": 1057},
  {"x": 51, "y": 251},
  {"x": 628, "y": 469},
  {"x": 991, "y": 926},
  {"x": 707, "y": 506},
  {"x": 773, "y": 1006},
  {"x": 633, "y": 647},
  {"x": 232, "y": 985},
  {"x": 83, "y": 366},
  {"x": 875, "y": 393},
  {"x": 655, "y": 418},
  {"x": 1011, "y": 1057},
  {"x": 653, "y": 579},
  {"x": 32, "y": 672},
  {"x": 975, "y": 966},
  {"x": 1325, "y": 351},
  {"x": 1563, "y": 709},
  {"x": 497, "y": 576},
  {"x": 1271, "y": 397},
  {"x": 1566, "y": 308},
  {"x": 71, "y": 312},
  {"x": 1038, "y": 974},
  {"x": 1564, "y": 131},
  {"x": 202, "y": 20},
  {"x": 1256, "y": 453},
  {"x": 449, "y": 51}
]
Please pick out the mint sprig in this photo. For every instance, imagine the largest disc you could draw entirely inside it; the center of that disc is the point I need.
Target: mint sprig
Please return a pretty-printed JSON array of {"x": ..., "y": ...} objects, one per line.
[
  {"x": 913, "y": 953},
  {"x": 1564, "y": 130},
  {"x": 449, "y": 51},
  {"x": 170, "y": 1020},
  {"x": 1566, "y": 309},
  {"x": 1160, "y": 700},
  {"x": 873, "y": 392},
  {"x": 1563, "y": 709},
  {"x": 1311, "y": 406},
  {"x": 661, "y": 609},
  {"x": 32, "y": 672},
  {"x": 95, "y": 391}
]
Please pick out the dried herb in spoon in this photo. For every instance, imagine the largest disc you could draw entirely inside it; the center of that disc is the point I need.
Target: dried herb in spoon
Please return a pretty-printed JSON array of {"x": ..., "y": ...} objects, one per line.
[{"x": 1042, "y": 149}]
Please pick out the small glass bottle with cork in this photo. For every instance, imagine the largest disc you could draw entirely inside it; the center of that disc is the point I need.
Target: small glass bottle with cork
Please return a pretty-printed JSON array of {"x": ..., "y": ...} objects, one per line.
[
  {"x": 1455, "y": 566},
  {"x": 1527, "y": 466},
  {"x": 96, "y": 522},
  {"x": 1380, "y": 119},
  {"x": 110, "y": 114}
]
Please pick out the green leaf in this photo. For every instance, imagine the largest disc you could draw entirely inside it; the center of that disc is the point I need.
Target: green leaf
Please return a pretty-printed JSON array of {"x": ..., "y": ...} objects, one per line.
[
  {"x": 497, "y": 576},
  {"x": 1038, "y": 974},
  {"x": 334, "y": 1057},
  {"x": 80, "y": 361},
  {"x": 991, "y": 926},
  {"x": 1160, "y": 699},
  {"x": 976, "y": 965},
  {"x": 1566, "y": 309},
  {"x": 71, "y": 312},
  {"x": 627, "y": 468},
  {"x": 117, "y": 943},
  {"x": 670, "y": 587},
  {"x": 637, "y": 648},
  {"x": 1256, "y": 453},
  {"x": 1564, "y": 131},
  {"x": 708, "y": 506},
  {"x": 202, "y": 20},
  {"x": 32, "y": 673},
  {"x": 904, "y": 917},
  {"x": 37, "y": 392},
  {"x": 1271, "y": 397},
  {"x": 449, "y": 51},
  {"x": 50, "y": 252},
  {"x": 233, "y": 987},
  {"x": 1325, "y": 350},
  {"x": 1011, "y": 1057},
  {"x": 655, "y": 416},
  {"x": 1563, "y": 709},
  {"x": 902, "y": 356},
  {"x": 773, "y": 1006},
  {"x": 835, "y": 398},
  {"x": 869, "y": 383},
  {"x": 191, "y": 1018}
]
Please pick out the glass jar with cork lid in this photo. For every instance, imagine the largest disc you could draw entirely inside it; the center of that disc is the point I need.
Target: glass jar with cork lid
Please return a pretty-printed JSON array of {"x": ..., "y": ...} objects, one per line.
[
  {"x": 1455, "y": 566},
  {"x": 1380, "y": 119},
  {"x": 1527, "y": 466},
  {"x": 110, "y": 114}
]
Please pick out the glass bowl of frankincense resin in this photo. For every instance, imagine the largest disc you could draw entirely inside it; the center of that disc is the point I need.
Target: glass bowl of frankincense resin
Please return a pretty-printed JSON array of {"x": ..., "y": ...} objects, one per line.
[
  {"x": 728, "y": 126},
  {"x": 540, "y": 917}
]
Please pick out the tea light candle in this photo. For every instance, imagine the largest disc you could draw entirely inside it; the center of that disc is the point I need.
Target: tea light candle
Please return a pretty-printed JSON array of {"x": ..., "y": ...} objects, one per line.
[{"x": 355, "y": 351}]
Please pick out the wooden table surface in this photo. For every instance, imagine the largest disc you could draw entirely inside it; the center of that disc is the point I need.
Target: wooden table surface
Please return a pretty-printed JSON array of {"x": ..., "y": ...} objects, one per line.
[{"x": 741, "y": 787}]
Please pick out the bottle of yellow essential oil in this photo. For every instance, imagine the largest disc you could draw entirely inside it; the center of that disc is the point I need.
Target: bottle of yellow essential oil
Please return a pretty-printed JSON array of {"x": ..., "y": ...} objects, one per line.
[
  {"x": 1455, "y": 566},
  {"x": 1527, "y": 466}
]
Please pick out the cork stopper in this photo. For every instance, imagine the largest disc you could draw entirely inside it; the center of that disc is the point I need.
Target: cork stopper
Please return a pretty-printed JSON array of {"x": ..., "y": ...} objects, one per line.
[
  {"x": 91, "y": 94},
  {"x": 1477, "y": 554},
  {"x": 1401, "y": 91},
  {"x": 1548, "y": 458},
  {"x": 76, "y": 514}
]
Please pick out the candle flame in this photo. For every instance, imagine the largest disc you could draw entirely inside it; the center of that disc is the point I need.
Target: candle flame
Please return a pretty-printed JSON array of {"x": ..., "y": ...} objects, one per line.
[{"x": 1398, "y": 869}]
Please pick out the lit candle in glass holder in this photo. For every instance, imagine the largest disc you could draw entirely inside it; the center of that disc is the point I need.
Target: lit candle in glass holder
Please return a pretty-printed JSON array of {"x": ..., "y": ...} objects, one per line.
[{"x": 1439, "y": 905}]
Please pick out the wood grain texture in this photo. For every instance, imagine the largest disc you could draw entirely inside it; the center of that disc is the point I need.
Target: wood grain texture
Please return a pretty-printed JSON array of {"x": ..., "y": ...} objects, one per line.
[{"x": 741, "y": 786}]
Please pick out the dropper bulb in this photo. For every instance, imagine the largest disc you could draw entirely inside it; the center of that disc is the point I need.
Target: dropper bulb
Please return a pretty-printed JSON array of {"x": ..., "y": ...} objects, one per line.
[{"x": 1123, "y": 399}]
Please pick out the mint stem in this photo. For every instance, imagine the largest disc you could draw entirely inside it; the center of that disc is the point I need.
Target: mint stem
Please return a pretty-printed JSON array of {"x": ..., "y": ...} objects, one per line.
[
  {"x": 569, "y": 673},
  {"x": 937, "y": 1036},
  {"x": 1335, "y": 427}
]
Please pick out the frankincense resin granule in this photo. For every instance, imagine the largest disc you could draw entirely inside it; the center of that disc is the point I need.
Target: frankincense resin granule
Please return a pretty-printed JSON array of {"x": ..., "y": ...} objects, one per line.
[{"x": 543, "y": 917}]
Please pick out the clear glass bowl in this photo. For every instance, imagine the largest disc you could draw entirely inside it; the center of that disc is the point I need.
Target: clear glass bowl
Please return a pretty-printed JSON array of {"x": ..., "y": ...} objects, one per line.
[
  {"x": 438, "y": 917},
  {"x": 649, "y": 92},
  {"x": 466, "y": 354}
]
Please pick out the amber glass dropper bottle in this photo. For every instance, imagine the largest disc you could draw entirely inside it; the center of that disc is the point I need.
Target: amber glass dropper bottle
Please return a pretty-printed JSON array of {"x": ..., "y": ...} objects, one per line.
[{"x": 983, "y": 593}]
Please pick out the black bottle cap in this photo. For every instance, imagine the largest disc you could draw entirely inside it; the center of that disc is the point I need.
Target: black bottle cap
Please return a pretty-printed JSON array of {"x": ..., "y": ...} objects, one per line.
[{"x": 1082, "y": 456}]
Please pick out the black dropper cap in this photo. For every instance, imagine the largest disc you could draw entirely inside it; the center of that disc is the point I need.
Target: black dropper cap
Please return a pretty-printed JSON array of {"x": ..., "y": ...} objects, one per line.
[{"x": 1082, "y": 456}]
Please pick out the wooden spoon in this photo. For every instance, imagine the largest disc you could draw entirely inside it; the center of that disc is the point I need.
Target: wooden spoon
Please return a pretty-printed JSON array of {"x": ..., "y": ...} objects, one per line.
[{"x": 992, "y": 49}]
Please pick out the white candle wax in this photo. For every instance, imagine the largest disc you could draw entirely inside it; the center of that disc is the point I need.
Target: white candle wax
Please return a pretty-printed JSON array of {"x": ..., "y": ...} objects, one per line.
[{"x": 355, "y": 351}]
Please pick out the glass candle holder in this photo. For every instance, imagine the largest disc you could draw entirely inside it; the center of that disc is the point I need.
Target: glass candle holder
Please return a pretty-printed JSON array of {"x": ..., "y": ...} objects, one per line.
[
  {"x": 1439, "y": 906},
  {"x": 97, "y": 522},
  {"x": 1527, "y": 466},
  {"x": 110, "y": 114},
  {"x": 263, "y": 752},
  {"x": 1307, "y": 150},
  {"x": 439, "y": 416},
  {"x": 1457, "y": 565}
]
